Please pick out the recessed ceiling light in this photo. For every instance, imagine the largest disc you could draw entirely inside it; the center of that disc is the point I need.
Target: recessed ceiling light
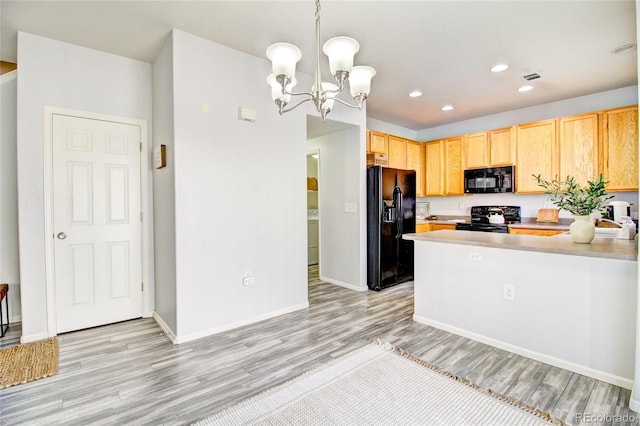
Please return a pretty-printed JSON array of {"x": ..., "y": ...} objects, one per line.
[
  {"x": 624, "y": 48},
  {"x": 447, "y": 108},
  {"x": 415, "y": 94},
  {"x": 525, "y": 88},
  {"x": 499, "y": 68}
]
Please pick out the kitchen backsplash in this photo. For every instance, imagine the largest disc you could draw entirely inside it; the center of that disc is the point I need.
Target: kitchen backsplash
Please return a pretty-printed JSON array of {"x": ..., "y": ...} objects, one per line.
[{"x": 461, "y": 206}]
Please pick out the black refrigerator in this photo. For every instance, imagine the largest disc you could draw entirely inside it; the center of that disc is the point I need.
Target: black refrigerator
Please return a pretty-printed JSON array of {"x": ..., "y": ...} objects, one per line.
[{"x": 391, "y": 212}]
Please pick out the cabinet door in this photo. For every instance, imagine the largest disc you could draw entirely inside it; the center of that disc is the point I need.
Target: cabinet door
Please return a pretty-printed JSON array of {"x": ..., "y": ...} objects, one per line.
[
  {"x": 454, "y": 174},
  {"x": 415, "y": 161},
  {"x": 502, "y": 145},
  {"x": 536, "y": 154},
  {"x": 434, "y": 167},
  {"x": 578, "y": 147},
  {"x": 397, "y": 152},
  {"x": 377, "y": 142},
  {"x": 476, "y": 152},
  {"x": 620, "y": 149}
]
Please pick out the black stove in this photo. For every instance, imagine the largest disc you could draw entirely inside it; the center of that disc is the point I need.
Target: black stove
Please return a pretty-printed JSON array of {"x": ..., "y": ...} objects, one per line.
[{"x": 480, "y": 219}]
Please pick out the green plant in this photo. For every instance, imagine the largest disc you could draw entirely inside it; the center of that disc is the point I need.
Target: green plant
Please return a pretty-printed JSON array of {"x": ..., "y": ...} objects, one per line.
[{"x": 578, "y": 200}]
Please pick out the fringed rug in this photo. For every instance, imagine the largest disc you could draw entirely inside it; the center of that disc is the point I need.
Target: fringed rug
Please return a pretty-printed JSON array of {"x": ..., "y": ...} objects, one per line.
[
  {"x": 380, "y": 385},
  {"x": 28, "y": 362}
]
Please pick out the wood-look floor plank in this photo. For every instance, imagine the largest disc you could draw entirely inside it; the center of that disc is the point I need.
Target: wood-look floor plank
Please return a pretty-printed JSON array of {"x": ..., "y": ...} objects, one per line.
[{"x": 129, "y": 373}]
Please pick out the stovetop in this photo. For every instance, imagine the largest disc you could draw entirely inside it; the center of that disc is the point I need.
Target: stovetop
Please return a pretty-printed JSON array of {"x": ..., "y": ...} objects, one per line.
[{"x": 480, "y": 214}]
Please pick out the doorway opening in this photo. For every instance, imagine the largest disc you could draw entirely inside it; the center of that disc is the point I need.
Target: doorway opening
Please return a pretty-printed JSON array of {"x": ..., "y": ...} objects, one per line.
[{"x": 313, "y": 208}]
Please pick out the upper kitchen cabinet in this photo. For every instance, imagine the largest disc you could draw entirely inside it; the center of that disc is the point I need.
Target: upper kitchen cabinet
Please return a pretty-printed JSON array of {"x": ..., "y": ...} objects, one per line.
[
  {"x": 536, "y": 154},
  {"x": 502, "y": 146},
  {"x": 453, "y": 168},
  {"x": 434, "y": 168},
  {"x": 377, "y": 142},
  {"x": 444, "y": 174},
  {"x": 415, "y": 161},
  {"x": 476, "y": 150},
  {"x": 578, "y": 147},
  {"x": 397, "y": 152},
  {"x": 619, "y": 150},
  {"x": 489, "y": 149}
]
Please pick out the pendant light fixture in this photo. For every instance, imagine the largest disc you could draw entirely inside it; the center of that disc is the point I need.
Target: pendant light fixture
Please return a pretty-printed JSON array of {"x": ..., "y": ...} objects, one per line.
[{"x": 340, "y": 51}]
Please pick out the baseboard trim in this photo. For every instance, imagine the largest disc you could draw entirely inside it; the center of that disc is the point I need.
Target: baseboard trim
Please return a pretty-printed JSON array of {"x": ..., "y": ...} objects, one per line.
[
  {"x": 176, "y": 340},
  {"x": 547, "y": 359},
  {"x": 33, "y": 337},
  {"x": 342, "y": 284}
]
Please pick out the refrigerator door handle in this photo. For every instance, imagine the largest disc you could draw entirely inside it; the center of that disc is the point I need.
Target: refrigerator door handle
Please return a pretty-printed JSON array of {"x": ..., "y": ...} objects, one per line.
[{"x": 399, "y": 217}]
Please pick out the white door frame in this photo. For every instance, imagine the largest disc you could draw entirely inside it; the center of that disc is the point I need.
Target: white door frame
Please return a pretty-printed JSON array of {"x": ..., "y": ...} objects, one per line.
[
  {"x": 311, "y": 152},
  {"x": 147, "y": 293}
]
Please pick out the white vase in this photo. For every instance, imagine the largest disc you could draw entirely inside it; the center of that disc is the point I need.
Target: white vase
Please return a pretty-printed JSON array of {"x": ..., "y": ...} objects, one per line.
[{"x": 582, "y": 229}]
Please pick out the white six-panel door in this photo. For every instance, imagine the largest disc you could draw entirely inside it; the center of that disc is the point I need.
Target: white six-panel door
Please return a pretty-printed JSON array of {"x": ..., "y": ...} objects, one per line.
[{"x": 96, "y": 222}]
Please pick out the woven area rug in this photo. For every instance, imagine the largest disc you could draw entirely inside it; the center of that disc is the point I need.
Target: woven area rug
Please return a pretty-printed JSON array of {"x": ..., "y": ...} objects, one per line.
[
  {"x": 379, "y": 385},
  {"x": 28, "y": 362}
]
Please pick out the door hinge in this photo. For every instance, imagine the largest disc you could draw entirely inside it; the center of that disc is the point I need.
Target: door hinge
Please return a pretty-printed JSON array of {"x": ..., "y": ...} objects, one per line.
[
  {"x": 142, "y": 286},
  {"x": 140, "y": 146}
]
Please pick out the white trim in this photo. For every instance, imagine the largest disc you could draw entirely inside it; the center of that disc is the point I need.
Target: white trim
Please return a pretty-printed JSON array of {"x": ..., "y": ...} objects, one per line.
[
  {"x": 226, "y": 327},
  {"x": 33, "y": 337},
  {"x": 9, "y": 76},
  {"x": 557, "y": 362},
  {"x": 165, "y": 328},
  {"x": 343, "y": 284},
  {"x": 48, "y": 112}
]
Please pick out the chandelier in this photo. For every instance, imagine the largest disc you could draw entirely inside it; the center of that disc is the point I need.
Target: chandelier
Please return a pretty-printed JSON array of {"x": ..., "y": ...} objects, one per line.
[{"x": 340, "y": 51}]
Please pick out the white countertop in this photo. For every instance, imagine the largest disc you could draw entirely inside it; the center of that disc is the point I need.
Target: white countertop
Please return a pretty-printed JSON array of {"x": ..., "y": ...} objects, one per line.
[{"x": 603, "y": 247}]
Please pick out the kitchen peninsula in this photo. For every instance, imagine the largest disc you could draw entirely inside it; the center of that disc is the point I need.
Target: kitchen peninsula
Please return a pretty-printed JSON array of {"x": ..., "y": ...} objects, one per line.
[{"x": 566, "y": 304}]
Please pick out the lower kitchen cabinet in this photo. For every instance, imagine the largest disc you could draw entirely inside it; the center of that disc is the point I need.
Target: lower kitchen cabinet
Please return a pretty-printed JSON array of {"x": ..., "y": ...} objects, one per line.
[
  {"x": 535, "y": 231},
  {"x": 428, "y": 227},
  {"x": 312, "y": 242}
]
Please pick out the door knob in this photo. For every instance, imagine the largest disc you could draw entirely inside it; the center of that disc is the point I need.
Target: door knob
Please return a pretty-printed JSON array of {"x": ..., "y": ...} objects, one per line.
[{"x": 62, "y": 235}]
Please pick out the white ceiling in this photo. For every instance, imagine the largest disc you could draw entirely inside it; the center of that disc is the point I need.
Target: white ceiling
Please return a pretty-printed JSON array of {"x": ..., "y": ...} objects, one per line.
[{"x": 443, "y": 48}]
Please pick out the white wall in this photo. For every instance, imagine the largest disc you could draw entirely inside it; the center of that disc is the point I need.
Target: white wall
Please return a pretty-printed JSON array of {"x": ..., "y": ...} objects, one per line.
[
  {"x": 164, "y": 189},
  {"x": 62, "y": 75},
  {"x": 340, "y": 231},
  {"x": 240, "y": 192},
  {"x": 9, "y": 261},
  {"x": 392, "y": 129}
]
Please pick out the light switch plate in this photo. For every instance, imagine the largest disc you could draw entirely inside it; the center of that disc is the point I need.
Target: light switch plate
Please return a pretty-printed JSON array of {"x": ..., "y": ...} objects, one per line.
[{"x": 350, "y": 207}]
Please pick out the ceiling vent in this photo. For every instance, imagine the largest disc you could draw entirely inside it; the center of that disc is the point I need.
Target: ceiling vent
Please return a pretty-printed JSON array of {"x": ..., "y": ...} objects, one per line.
[{"x": 532, "y": 76}]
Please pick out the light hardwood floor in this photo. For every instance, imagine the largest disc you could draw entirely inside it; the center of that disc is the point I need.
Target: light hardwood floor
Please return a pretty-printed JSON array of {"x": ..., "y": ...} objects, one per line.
[{"x": 129, "y": 373}]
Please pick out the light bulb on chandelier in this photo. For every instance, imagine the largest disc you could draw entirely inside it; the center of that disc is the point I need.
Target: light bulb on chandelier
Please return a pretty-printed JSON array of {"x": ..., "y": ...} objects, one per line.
[{"x": 340, "y": 51}]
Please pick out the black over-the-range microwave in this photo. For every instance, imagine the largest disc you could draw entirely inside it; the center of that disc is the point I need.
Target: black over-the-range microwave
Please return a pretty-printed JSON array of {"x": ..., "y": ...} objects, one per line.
[{"x": 489, "y": 180}]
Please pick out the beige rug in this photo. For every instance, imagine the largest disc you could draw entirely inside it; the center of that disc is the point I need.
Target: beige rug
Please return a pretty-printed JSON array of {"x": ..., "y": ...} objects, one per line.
[
  {"x": 379, "y": 385},
  {"x": 28, "y": 362}
]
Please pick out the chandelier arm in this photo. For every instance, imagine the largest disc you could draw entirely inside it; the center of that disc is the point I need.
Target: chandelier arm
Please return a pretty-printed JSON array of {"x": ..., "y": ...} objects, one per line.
[
  {"x": 299, "y": 93},
  {"x": 357, "y": 106},
  {"x": 295, "y": 106}
]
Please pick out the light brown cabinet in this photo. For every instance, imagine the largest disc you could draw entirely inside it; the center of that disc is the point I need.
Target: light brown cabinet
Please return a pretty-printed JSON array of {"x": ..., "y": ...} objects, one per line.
[
  {"x": 578, "y": 147},
  {"x": 434, "y": 168},
  {"x": 536, "y": 154},
  {"x": 476, "y": 150},
  {"x": 619, "y": 148},
  {"x": 377, "y": 142},
  {"x": 502, "y": 146},
  {"x": 397, "y": 152},
  {"x": 428, "y": 227},
  {"x": 534, "y": 231},
  {"x": 453, "y": 166},
  {"x": 444, "y": 173},
  {"x": 415, "y": 161}
]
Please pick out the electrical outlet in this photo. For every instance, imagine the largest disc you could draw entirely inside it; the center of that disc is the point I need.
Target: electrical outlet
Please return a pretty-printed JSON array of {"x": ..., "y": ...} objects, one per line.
[
  {"x": 248, "y": 279},
  {"x": 509, "y": 292},
  {"x": 475, "y": 257},
  {"x": 460, "y": 206}
]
